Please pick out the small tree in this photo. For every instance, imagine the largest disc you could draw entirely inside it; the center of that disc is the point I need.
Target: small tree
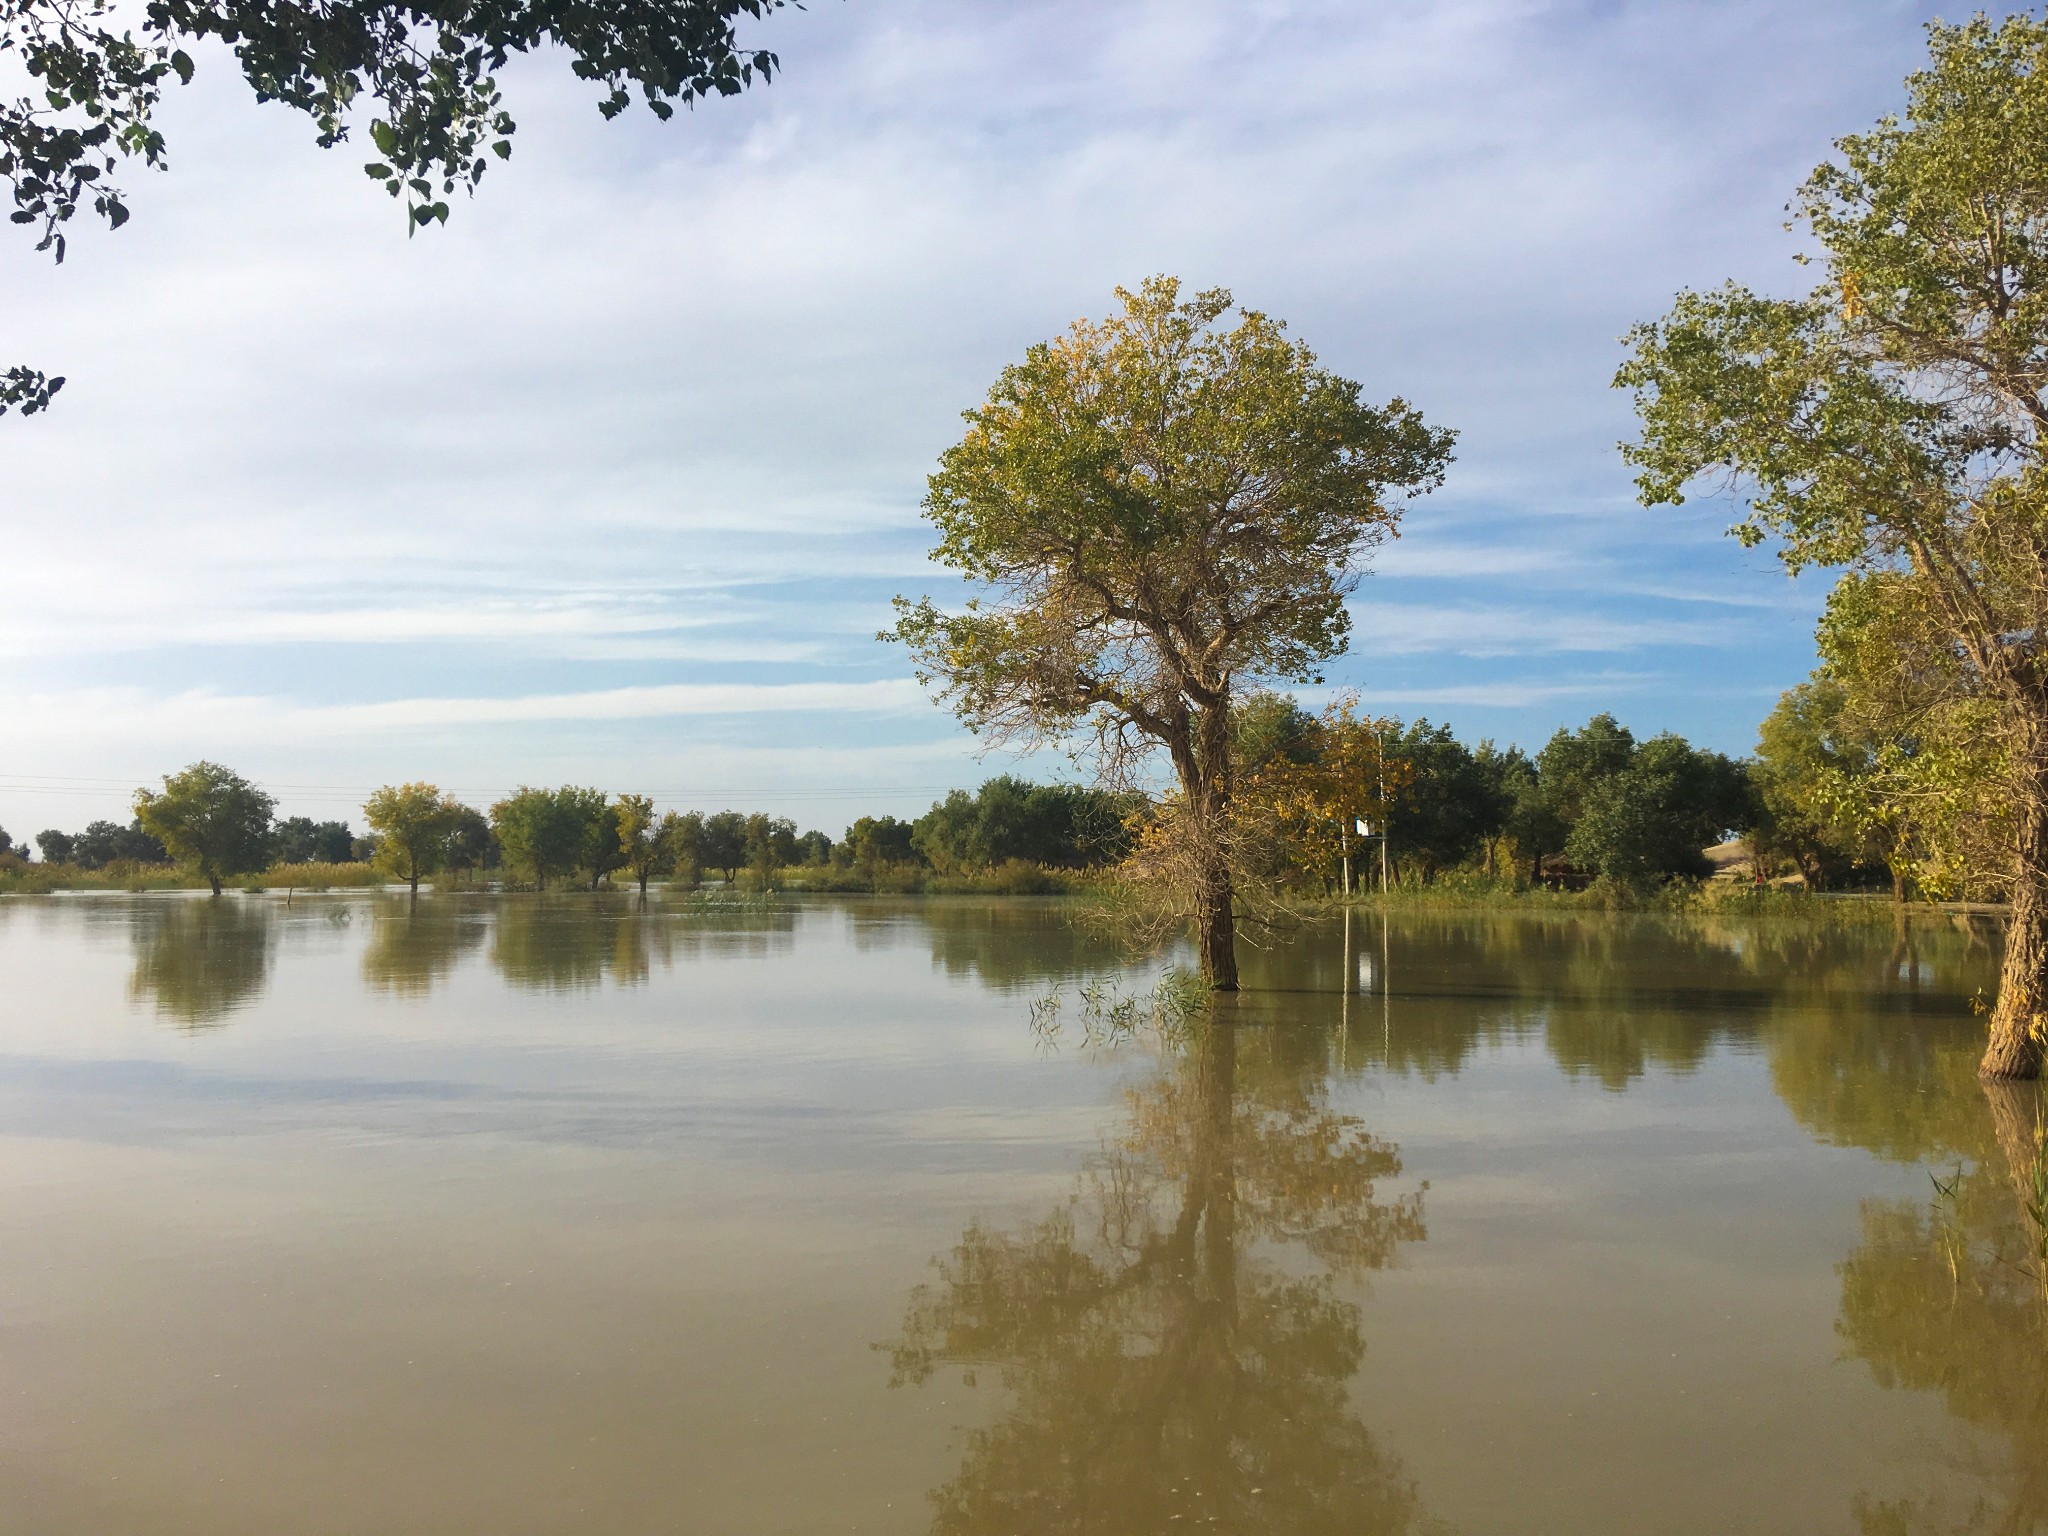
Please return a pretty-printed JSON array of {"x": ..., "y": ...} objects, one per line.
[
  {"x": 1814, "y": 776},
  {"x": 543, "y": 832},
  {"x": 1161, "y": 512},
  {"x": 1325, "y": 784},
  {"x": 211, "y": 820},
  {"x": 413, "y": 823},
  {"x": 647, "y": 844},
  {"x": 682, "y": 841},
  {"x": 469, "y": 841},
  {"x": 873, "y": 843},
  {"x": 57, "y": 846},
  {"x": 770, "y": 844},
  {"x": 603, "y": 849},
  {"x": 724, "y": 844}
]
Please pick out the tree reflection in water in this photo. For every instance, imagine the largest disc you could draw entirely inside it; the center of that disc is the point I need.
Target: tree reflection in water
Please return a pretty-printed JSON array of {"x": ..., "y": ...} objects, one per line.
[
  {"x": 414, "y": 945},
  {"x": 1951, "y": 1297},
  {"x": 198, "y": 961},
  {"x": 573, "y": 942},
  {"x": 1166, "y": 1369}
]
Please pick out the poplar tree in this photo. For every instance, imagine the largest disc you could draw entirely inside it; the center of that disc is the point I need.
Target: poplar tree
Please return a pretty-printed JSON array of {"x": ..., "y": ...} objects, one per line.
[
  {"x": 1894, "y": 421},
  {"x": 1160, "y": 512}
]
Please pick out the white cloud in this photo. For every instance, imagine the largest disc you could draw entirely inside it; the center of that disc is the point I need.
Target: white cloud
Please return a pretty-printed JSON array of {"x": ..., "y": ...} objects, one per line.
[{"x": 660, "y": 402}]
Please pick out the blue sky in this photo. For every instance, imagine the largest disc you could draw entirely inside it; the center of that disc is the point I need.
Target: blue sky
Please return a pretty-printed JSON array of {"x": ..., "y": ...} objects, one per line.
[{"x": 612, "y": 480}]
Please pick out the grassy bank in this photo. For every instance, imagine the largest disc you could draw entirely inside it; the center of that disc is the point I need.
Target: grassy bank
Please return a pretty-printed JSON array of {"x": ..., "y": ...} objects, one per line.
[
  {"x": 1462, "y": 892},
  {"x": 44, "y": 879}
]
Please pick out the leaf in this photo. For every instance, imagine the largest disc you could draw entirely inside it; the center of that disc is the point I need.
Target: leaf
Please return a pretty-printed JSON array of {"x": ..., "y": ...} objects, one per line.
[
  {"x": 181, "y": 61},
  {"x": 380, "y": 172}
]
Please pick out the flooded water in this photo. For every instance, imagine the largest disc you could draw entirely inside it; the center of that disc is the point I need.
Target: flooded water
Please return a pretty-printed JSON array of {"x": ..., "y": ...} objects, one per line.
[{"x": 518, "y": 1216}]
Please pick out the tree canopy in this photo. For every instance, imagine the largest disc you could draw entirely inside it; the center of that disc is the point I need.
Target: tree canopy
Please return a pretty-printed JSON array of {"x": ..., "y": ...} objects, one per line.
[
  {"x": 1892, "y": 420},
  {"x": 210, "y": 819},
  {"x": 1158, "y": 511},
  {"x": 427, "y": 74}
]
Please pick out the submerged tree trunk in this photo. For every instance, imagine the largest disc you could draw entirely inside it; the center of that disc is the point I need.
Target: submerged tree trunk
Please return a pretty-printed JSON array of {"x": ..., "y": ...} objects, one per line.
[
  {"x": 213, "y": 880},
  {"x": 1206, "y": 779},
  {"x": 1216, "y": 932},
  {"x": 2019, "y": 1020}
]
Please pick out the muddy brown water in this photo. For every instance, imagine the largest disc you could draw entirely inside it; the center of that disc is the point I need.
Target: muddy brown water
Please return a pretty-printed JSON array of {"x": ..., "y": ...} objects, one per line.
[{"x": 517, "y": 1215}]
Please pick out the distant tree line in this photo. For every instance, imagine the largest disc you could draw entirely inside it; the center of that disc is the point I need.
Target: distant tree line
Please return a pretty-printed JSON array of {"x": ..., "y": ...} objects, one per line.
[
  {"x": 1319, "y": 793},
  {"x": 216, "y": 825}
]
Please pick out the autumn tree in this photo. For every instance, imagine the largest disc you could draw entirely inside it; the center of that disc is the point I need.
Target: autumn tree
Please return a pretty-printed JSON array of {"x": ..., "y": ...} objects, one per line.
[
  {"x": 1892, "y": 420},
  {"x": 211, "y": 820},
  {"x": 649, "y": 845},
  {"x": 425, "y": 74},
  {"x": 1320, "y": 779},
  {"x": 413, "y": 823},
  {"x": 1160, "y": 511}
]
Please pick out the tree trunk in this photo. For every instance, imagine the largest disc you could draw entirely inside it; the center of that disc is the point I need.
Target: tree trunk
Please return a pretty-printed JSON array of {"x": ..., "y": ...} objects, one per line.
[
  {"x": 1898, "y": 884},
  {"x": 643, "y": 885},
  {"x": 213, "y": 880},
  {"x": 1216, "y": 932},
  {"x": 2018, "y": 1022}
]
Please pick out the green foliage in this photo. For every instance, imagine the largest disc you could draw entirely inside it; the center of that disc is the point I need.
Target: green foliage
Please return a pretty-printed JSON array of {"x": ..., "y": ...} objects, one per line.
[
  {"x": 603, "y": 848},
  {"x": 100, "y": 844},
  {"x": 413, "y": 824},
  {"x": 724, "y": 842},
  {"x": 427, "y": 71},
  {"x": 1451, "y": 800},
  {"x": 549, "y": 833},
  {"x": 210, "y": 820},
  {"x": 302, "y": 840},
  {"x": 1890, "y": 420},
  {"x": 683, "y": 846},
  {"x": 770, "y": 844},
  {"x": 643, "y": 849},
  {"x": 1268, "y": 729},
  {"x": 1652, "y": 818},
  {"x": 1148, "y": 465},
  {"x": 470, "y": 845},
  {"x": 1059, "y": 826}
]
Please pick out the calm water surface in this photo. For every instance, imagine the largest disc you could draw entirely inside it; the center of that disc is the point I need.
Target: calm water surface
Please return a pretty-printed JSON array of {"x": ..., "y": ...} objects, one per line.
[{"x": 517, "y": 1215}]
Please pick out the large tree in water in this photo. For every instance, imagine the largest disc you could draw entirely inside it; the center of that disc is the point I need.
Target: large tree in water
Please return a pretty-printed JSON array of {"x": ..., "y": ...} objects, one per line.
[
  {"x": 1160, "y": 510},
  {"x": 1894, "y": 421}
]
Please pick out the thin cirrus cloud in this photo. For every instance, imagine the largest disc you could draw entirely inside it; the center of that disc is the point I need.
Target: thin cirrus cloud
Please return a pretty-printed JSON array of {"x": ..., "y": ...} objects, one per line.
[
  {"x": 587, "y": 482},
  {"x": 1404, "y": 629}
]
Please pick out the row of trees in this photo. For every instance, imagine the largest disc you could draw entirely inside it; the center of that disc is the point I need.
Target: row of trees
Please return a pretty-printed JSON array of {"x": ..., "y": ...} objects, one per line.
[
  {"x": 294, "y": 840},
  {"x": 1593, "y": 801},
  {"x": 216, "y": 823}
]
